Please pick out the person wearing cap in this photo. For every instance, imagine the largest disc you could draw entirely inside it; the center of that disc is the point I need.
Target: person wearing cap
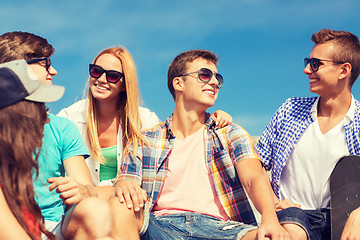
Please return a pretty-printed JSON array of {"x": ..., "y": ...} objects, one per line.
[
  {"x": 22, "y": 98},
  {"x": 63, "y": 187},
  {"x": 308, "y": 135}
]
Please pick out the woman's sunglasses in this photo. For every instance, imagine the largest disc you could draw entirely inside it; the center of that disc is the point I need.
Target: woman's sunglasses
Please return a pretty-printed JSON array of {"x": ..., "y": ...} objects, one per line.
[
  {"x": 111, "y": 75},
  {"x": 36, "y": 60},
  {"x": 205, "y": 75},
  {"x": 315, "y": 63}
]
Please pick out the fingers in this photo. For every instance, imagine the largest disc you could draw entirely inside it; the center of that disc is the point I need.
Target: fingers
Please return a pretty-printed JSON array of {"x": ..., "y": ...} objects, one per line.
[
  {"x": 222, "y": 118},
  {"x": 61, "y": 184},
  {"x": 68, "y": 188},
  {"x": 131, "y": 194},
  {"x": 286, "y": 203}
]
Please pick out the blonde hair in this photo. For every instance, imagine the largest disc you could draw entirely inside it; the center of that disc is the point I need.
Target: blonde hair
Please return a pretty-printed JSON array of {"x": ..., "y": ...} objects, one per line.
[{"x": 128, "y": 106}]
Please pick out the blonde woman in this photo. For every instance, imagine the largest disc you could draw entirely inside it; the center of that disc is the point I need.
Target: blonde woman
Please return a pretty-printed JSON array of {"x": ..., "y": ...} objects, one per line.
[{"x": 111, "y": 115}]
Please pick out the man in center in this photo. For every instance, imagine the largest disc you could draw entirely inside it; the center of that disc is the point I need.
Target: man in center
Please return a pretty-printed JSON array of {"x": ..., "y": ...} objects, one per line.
[{"x": 193, "y": 175}]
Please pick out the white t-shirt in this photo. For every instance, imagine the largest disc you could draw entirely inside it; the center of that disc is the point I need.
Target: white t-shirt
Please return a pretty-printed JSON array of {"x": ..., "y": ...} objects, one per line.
[{"x": 305, "y": 178}]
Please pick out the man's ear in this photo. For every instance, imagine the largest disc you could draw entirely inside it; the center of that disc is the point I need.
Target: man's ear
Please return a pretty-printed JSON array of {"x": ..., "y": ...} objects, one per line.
[
  {"x": 345, "y": 71},
  {"x": 178, "y": 84}
]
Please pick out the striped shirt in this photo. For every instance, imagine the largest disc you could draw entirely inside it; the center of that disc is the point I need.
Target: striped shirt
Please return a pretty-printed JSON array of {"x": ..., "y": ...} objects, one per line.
[
  {"x": 224, "y": 148},
  {"x": 285, "y": 129}
]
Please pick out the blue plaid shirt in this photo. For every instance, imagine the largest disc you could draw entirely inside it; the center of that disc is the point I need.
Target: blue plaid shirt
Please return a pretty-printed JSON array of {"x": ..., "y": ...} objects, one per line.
[
  {"x": 285, "y": 129},
  {"x": 225, "y": 147}
]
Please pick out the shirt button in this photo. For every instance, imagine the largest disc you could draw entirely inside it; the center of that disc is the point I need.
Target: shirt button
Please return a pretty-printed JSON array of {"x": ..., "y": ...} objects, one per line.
[{"x": 96, "y": 170}]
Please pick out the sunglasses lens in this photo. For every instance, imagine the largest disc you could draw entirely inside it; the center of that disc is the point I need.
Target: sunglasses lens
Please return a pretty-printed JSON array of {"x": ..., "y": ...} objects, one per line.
[
  {"x": 205, "y": 74},
  {"x": 95, "y": 71},
  {"x": 113, "y": 77},
  {"x": 306, "y": 61},
  {"x": 315, "y": 64},
  {"x": 220, "y": 79}
]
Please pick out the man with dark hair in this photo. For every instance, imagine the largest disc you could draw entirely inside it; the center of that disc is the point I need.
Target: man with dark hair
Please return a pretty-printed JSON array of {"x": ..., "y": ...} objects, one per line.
[
  {"x": 62, "y": 152},
  {"x": 308, "y": 135},
  {"x": 193, "y": 175}
]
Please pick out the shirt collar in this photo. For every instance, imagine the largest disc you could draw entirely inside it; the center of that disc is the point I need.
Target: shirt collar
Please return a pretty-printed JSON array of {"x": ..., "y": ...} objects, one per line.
[
  {"x": 349, "y": 117},
  {"x": 209, "y": 123}
]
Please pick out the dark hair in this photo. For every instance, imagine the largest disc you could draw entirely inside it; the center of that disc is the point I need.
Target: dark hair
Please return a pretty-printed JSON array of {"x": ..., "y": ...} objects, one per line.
[
  {"x": 23, "y": 45},
  {"x": 21, "y": 133},
  {"x": 346, "y": 48},
  {"x": 178, "y": 65}
]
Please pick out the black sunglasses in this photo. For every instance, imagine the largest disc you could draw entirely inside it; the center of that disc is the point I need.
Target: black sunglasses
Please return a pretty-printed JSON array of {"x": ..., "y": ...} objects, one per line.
[
  {"x": 315, "y": 63},
  {"x": 36, "y": 60},
  {"x": 205, "y": 75},
  {"x": 111, "y": 75}
]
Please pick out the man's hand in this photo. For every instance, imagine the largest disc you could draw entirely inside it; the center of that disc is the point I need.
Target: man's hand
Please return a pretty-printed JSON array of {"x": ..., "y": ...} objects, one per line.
[
  {"x": 286, "y": 203},
  {"x": 272, "y": 230},
  {"x": 71, "y": 191},
  {"x": 222, "y": 118},
  {"x": 131, "y": 193},
  {"x": 352, "y": 226}
]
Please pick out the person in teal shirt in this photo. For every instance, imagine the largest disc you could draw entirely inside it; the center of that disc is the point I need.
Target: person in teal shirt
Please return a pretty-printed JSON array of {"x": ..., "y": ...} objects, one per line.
[{"x": 63, "y": 189}]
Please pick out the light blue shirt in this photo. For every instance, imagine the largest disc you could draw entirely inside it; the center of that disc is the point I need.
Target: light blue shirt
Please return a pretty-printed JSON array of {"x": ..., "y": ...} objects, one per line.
[{"x": 61, "y": 141}]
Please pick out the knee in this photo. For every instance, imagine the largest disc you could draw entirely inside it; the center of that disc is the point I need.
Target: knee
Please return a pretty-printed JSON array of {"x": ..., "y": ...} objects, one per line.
[
  {"x": 93, "y": 208},
  {"x": 94, "y": 215},
  {"x": 90, "y": 218}
]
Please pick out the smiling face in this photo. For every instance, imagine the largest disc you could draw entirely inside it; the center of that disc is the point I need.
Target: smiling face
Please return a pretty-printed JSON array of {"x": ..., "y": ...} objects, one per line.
[
  {"x": 193, "y": 92},
  {"x": 100, "y": 88},
  {"x": 325, "y": 81}
]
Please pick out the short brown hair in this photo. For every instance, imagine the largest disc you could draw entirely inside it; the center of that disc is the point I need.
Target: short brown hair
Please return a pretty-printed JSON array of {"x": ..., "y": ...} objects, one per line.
[
  {"x": 346, "y": 48},
  {"x": 23, "y": 45},
  {"x": 178, "y": 65}
]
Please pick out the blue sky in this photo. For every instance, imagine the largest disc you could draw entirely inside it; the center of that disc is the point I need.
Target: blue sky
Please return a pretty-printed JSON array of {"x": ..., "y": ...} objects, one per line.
[{"x": 261, "y": 44}]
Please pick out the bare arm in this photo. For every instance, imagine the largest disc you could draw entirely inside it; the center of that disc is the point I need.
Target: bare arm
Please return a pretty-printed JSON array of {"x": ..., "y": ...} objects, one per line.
[
  {"x": 77, "y": 185},
  {"x": 9, "y": 226},
  {"x": 256, "y": 183}
]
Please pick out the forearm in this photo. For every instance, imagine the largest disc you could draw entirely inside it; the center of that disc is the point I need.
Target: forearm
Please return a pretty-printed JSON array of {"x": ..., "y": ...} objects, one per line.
[
  {"x": 256, "y": 183},
  {"x": 262, "y": 197},
  {"x": 89, "y": 191}
]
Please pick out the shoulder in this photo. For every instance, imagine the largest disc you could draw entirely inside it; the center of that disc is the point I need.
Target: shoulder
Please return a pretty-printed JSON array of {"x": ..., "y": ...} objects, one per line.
[
  {"x": 156, "y": 132},
  {"x": 235, "y": 130},
  {"x": 296, "y": 106},
  {"x": 299, "y": 102},
  {"x": 60, "y": 123},
  {"x": 75, "y": 112},
  {"x": 148, "y": 118}
]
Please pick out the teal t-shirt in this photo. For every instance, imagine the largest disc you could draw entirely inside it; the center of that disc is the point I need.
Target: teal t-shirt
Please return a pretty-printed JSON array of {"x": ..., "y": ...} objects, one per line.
[
  {"x": 108, "y": 170},
  {"x": 61, "y": 141}
]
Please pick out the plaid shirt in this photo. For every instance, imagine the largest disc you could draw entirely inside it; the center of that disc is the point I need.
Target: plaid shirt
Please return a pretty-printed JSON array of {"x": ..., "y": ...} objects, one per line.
[
  {"x": 225, "y": 147},
  {"x": 285, "y": 129}
]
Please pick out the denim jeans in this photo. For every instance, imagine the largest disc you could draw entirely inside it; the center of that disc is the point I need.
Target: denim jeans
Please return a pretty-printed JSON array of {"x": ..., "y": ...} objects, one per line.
[
  {"x": 316, "y": 223},
  {"x": 191, "y": 225}
]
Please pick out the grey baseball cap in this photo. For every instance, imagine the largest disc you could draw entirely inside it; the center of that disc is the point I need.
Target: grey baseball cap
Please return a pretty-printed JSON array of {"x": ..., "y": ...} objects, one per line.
[{"x": 18, "y": 82}]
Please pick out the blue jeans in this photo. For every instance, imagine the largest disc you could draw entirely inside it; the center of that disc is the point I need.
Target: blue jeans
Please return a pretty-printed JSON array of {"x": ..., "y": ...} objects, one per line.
[
  {"x": 191, "y": 225},
  {"x": 316, "y": 223}
]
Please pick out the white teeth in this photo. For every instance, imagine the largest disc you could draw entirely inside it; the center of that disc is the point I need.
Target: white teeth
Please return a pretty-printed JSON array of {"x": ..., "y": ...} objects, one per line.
[
  {"x": 210, "y": 91},
  {"x": 101, "y": 88}
]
